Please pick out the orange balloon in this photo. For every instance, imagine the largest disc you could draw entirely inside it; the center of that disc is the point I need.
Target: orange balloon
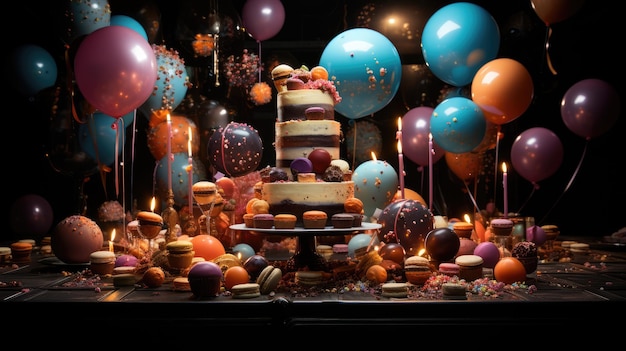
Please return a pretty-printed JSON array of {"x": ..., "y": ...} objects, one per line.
[
  {"x": 553, "y": 11},
  {"x": 157, "y": 117},
  {"x": 157, "y": 137},
  {"x": 503, "y": 89},
  {"x": 466, "y": 165},
  {"x": 490, "y": 139},
  {"x": 409, "y": 195}
]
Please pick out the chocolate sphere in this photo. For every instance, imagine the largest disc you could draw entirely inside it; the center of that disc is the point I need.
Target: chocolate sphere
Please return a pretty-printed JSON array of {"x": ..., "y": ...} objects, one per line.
[
  {"x": 442, "y": 244},
  {"x": 254, "y": 265},
  {"x": 393, "y": 251},
  {"x": 406, "y": 222},
  {"x": 320, "y": 159},
  {"x": 75, "y": 238}
]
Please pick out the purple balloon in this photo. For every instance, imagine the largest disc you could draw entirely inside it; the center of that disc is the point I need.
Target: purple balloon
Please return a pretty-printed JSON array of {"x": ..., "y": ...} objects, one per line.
[
  {"x": 116, "y": 70},
  {"x": 31, "y": 215},
  {"x": 536, "y": 154},
  {"x": 236, "y": 149},
  {"x": 590, "y": 108},
  {"x": 415, "y": 131},
  {"x": 263, "y": 19}
]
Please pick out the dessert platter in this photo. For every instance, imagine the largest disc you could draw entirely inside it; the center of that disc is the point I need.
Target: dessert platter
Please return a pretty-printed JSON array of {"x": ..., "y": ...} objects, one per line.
[{"x": 305, "y": 256}]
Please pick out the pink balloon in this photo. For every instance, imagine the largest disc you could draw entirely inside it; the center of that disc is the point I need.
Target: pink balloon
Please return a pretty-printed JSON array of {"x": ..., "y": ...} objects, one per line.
[
  {"x": 590, "y": 108},
  {"x": 115, "y": 70},
  {"x": 263, "y": 19},
  {"x": 536, "y": 154},
  {"x": 415, "y": 130}
]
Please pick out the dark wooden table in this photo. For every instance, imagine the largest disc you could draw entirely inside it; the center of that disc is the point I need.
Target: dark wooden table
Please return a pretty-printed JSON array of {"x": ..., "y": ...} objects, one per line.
[{"x": 584, "y": 292}]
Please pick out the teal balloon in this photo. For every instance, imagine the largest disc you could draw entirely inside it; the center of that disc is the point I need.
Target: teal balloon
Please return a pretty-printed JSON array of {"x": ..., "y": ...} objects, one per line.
[
  {"x": 83, "y": 18},
  {"x": 98, "y": 138},
  {"x": 375, "y": 184},
  {"x": 366, "y": 70},
  {"x": 31, "y": 69},
  {"x": 458, "y": 125},
  {"x": 129, "y": 22},
  {"x": 457, "y": 40},
  {"x": 171, "y": 84},
  {"x": 180, "y": 177}
]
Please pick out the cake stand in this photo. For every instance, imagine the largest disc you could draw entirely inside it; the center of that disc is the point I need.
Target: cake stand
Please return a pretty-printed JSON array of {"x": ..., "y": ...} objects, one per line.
[{"x": 305, "y": 256}]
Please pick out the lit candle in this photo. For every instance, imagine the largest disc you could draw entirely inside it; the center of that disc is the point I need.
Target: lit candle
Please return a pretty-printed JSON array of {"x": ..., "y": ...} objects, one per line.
[
  {"x": 400, "y": 157},
  {"x": 190, "y": 172},
  {"x": 505, "y": 186},
  {"x": 152, "y": 204},
  {"x": 169, "y": 152},
  {"x": 111, "y": 240},
  {"x": 401, "y": 166},
  {"x": 430, "y": 171}
]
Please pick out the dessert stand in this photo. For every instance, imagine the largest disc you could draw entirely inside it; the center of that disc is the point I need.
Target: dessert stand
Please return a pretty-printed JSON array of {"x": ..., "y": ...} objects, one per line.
[{"x": 305, "y": 255}]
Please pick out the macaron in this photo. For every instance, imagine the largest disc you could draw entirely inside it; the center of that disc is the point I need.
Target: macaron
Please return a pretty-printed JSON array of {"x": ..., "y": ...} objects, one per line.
[
  {"x": 204, "y": 192},
  {"x": 417, "y": 269},
  {"x": 102, "y": 262},
  {"x": 309, "y": 278},
  {"x": 470, "y": 267},
  {"x": 395, "y": 290},
  {"x": 245, "y": 291},
  {"x": 453, "y": 291},
  {"x": 449, "y": 269},
  {"x": 280, "y": 74},
  {"x": 268, "y": 279}
]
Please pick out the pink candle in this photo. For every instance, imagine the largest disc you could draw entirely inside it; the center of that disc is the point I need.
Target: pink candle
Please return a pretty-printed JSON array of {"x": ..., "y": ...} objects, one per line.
[
  {"x": 190, "y": 172},
  {"x": 430, "y": 171},
  {"x": 505, "y": 186},
  {"x": 401, "y": 167},
  {"x": 400, "y": 157},
  {"x": 169, "y": 152}
]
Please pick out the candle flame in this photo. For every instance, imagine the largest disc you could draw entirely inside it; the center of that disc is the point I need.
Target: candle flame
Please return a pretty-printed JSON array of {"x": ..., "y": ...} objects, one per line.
[
  {"x": 430, "y": 136},
  {"x": 421, "y": 252},
  {"x": 504, "y": 167},
  {"x": 399, "y": 146},
  {"x": 169, "y": 119},
  {"x": 152, "y": 204},
  {"x": 399, "y": 124},
  {"x": 113, "y": 234},
  {"x": 467, "y": 218},
  {"x": 373, "y": 156}
]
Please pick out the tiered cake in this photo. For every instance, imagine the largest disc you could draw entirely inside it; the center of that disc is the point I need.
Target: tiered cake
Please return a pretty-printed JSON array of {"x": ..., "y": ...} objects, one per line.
[{"x": 305, "y": 123}]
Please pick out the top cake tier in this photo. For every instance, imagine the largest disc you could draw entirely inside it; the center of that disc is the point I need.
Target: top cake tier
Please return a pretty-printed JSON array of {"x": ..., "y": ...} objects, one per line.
[{"x": 292, "y": 104}]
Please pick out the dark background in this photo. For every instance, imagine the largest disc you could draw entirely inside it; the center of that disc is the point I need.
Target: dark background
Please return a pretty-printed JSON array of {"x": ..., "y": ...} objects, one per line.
[{"x": 586, "y": 45}]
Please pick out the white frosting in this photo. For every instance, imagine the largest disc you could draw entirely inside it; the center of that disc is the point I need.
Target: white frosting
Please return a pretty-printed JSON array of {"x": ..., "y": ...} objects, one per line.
[
  {"x": 318, "y": 193},
  {"x": 292, "y": 103}
]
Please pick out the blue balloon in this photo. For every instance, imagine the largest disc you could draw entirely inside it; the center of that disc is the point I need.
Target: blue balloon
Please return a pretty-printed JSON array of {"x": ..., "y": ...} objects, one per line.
[
  {"x": 97, "y": 138},
  {"x": 129, "y": 22},
  {"x": 180, "y": 177},
  {"x": 458, "y": 125},
  {"x": 172, "y": 81},
  {"x": 31, "y": 69},
  {"x": 366, "y": 69},
  {"x": 375, "y": 184},
  {"x": 457, "y": 40}
]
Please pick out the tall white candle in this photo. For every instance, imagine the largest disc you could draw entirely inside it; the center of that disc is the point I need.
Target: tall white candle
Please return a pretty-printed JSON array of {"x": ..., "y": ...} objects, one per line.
[
  {"x": 430, "y": 171},
  {"x": 169, "y": 152},
  {"x": 505, "y": 186}
]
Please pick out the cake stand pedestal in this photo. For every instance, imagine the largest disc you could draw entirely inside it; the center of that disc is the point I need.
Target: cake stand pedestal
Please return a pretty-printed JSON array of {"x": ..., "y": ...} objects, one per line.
[{"x": 305, "y": 256}]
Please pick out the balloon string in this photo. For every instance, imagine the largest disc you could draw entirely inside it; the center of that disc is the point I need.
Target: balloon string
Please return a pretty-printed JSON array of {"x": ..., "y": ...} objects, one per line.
[
  {"x": 117, "y": 147},
  {"x": 582, "y": 157},
  {"x": 495, "y": 173},
  {"x": 132, "y": 155},
  {"x": 216, "y": 60},
  {"x": 103, "y": 169},
  {"x": 222, "y": 147},
  {"x": 260, "y": 61},
  {"x": 354, "y": 146},
  {"x": 527, "y": 199},
  {"x": 70, "y": 85},
  {"x": 154, "y": 172},
  {"x": 548, "y": 35}
]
